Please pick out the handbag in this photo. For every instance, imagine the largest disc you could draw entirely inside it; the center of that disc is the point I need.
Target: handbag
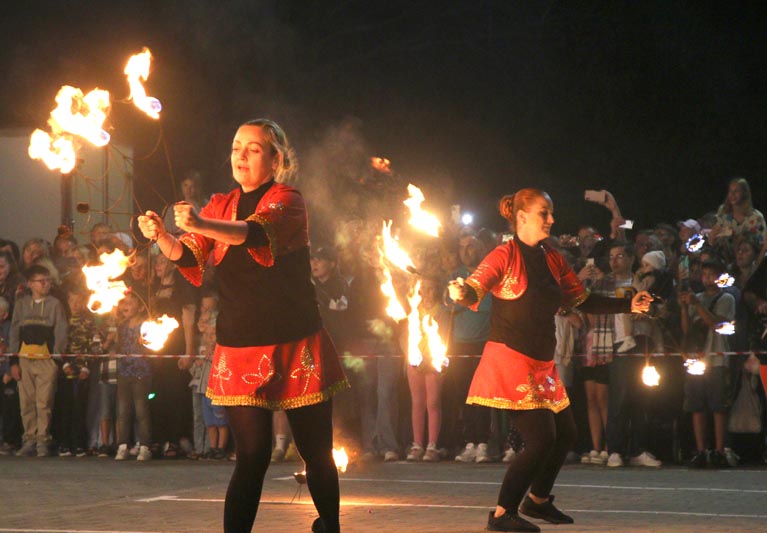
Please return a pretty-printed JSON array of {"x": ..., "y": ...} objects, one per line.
[{"x": 746, "y": 412}]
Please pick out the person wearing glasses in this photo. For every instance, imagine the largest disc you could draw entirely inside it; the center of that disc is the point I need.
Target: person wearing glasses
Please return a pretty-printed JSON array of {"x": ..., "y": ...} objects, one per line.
[{"x": 38, "y": 329}]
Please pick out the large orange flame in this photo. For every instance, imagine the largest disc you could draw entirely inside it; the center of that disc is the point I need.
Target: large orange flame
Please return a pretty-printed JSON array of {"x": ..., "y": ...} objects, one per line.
[
  {"x": 437, "y": 348},
  {"x": 420, "y": 219},
  {"x": 107, "y": 292},
  {"x": 137, "y": 70},
  {"x": 75, "y": 115},
  {"x": 414, "y": 333},
  {"x": 154, "y": 333}
]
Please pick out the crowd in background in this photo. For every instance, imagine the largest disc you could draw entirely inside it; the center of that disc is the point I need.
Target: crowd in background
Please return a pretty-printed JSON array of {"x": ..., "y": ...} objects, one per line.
[{"x": 107, "y": 398}]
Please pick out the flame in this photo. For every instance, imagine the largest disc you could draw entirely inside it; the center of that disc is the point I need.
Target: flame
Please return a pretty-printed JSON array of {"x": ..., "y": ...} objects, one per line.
[
  {"x": 55, "y": 152},
  {"x": 137, "y": 70},
  {"x": 101, "y": 280},
  {"x": 695, "y": 367},
  {"x": 75, "y": 115},
  {"x": 420, "y": 219},
  {"x": 392, "y": 251},
  {"x": 725, "y": 328},
  {"x": 437, "y": 348},
  {"x": 650, "y": 376},
  {"x": 341, "y": 459},
  {"x": 155, "y": 333},
  {"x": 381, "y": 164},
  {"x": 414, "y": 334},
  {"x": 394, "y": 308}
]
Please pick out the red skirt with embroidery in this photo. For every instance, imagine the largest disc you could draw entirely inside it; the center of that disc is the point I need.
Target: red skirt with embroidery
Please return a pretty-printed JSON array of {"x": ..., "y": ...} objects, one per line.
[
  {"x": 280, "y": 376},
  {"x": 508, "y": 379}
]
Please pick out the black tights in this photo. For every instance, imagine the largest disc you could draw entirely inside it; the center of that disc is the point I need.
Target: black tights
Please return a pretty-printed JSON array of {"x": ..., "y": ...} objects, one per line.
[
  {"x": 547, "y": 437},
  {"x": 313, "y": 434}
]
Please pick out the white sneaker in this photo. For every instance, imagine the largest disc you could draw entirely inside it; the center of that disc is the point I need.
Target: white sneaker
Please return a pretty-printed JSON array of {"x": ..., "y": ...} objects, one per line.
[
  {"x": 144, "y": 454},
  {"x": 468, "y": 455},
  {"x": 731, "y": 456},
  {"x": 391, "y": 456},
  {"x": 432, "y": 454},
  {"x": 597, "y": 458},
  {"x": 645, "y": 459},
  {"x": 615, "y": 460},
  {"x": 508, "y": 455},
  {"x": 416, "y": 452},
  {"x": 482, "y": 455},
  {"x": 122, "y": 452}
]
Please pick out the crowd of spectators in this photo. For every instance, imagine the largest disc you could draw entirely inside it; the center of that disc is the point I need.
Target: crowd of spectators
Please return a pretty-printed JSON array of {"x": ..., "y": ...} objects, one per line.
[{"x": 108, "y": 397}]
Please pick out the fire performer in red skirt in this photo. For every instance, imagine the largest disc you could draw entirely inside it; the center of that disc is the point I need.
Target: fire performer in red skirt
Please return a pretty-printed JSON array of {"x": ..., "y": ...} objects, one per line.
[
  {"x": 530, "y": 282},
  {"x": 272, "y": 351}
]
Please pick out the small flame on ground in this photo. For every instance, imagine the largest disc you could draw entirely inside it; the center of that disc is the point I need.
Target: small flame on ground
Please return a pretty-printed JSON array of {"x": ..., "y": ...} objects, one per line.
[
  {"x": 137, "y": 70},
  {"x": 101, "y": 280},
  {"x": 695, "y": 367},
  {"x": 650, "y": 376},
  {"x": 341, "y": 459},
  {"x": 420, "y": 219},
  {"x": 155, "y": 333}
]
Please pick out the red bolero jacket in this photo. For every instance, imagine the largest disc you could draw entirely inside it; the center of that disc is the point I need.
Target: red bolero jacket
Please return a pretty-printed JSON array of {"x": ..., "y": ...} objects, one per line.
[
  {"x": 503, "y": 273},
  {"x": 282, "y": 214}
]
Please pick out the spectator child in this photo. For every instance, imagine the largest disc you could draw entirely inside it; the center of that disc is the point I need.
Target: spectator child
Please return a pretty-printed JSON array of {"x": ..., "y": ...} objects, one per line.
[
  {"x": 72, "y": 391},
  {"x": 38, "y": 329},
  {"x": 134, "y": 377},
  {"x": 709, "y": 392}
]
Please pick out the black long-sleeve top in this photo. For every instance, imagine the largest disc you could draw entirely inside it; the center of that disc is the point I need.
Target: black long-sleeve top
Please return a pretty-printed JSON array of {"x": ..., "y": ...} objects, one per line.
[
  {"x": 259, "y": 305},
  {"x": 526, "y": 324}
]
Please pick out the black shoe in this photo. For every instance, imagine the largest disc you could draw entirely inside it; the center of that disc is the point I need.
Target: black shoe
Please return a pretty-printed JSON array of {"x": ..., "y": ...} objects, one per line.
[
  {"x": 544, "y": 511},
  {"x": 699, "y": 460},
  {"x": 510, "y": 522},
  {"x": 718, "y": 460},
  {"x": 318, "y": 526}
]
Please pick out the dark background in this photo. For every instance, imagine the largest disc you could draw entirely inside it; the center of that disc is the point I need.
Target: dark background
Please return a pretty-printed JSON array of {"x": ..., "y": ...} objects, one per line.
[{"x": 660, "y": 102}]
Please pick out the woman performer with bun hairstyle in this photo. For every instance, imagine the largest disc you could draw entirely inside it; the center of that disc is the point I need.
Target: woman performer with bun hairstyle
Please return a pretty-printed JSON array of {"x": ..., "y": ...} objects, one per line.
[
  {"x": 272, "y": 351},
  {"x": 530, "y": 282}
]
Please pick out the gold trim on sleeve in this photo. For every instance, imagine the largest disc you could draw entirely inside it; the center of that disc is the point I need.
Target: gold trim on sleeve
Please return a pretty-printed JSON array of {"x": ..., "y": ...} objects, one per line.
[
  {"x": 474, "y": 284},
  {"x": 269, "y": 229}
]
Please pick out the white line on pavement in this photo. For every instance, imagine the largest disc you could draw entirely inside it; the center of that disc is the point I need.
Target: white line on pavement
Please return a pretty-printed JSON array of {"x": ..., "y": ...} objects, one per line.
[{"x": 483, "y": 507}]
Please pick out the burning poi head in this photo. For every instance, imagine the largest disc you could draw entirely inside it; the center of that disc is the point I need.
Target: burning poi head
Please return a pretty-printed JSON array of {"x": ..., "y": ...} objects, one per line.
[
  {"x": 76, "y": 115},
  {"x": 154, "y": 333},
  {"x": 650, "y": 376},
  {"x": 137, "y": 71},
  {"x": 101, "y": 279}
]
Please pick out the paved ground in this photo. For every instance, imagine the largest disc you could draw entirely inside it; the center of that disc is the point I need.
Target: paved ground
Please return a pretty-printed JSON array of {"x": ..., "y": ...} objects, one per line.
[{"x": 100, "y": 495}]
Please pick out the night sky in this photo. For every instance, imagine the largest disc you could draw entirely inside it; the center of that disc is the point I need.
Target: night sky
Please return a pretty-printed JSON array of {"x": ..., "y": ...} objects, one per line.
[{"x": 660, "y": 102}]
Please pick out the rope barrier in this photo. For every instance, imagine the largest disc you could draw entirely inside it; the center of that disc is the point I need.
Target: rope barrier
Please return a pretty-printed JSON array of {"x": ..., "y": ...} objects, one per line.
[{"x": 364, "y": 356}]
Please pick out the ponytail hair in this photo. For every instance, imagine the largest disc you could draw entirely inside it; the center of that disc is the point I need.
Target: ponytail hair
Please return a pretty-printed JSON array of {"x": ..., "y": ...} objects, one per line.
[
  {"x": 287, "y": 164},
  {"x": 511, "y": 204}
]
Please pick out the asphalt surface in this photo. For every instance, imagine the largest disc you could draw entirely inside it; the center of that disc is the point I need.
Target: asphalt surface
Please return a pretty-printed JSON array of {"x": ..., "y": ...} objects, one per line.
[{"x": 100, "y": 495}]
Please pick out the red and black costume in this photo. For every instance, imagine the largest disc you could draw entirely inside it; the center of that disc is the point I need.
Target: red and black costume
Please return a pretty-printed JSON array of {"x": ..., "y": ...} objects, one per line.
[
  {"x": 529, "y": 285},
  {"x": 272, "y": 350}
]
